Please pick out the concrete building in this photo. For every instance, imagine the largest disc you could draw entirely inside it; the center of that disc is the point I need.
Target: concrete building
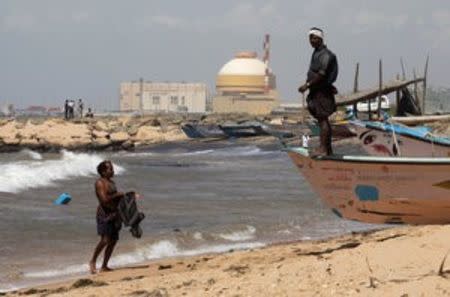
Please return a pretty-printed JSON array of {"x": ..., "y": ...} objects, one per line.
[
  {"x": 246, "y": 84},
  {"x": 147, "y": 96}
]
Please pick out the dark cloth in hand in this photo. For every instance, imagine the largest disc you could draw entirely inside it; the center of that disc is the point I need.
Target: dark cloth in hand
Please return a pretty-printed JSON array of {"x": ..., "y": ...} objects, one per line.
[{"x": 130, "y": 215}]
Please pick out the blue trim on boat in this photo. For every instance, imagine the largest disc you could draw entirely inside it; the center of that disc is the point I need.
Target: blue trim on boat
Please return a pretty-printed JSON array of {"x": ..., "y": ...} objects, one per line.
[
  {"x": 421, "y": 133},
  {"x": 371, "y": 159}
]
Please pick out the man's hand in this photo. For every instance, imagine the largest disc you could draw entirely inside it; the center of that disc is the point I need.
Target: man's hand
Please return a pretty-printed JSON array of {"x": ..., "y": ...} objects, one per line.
[{"x": 303, "y": 88}]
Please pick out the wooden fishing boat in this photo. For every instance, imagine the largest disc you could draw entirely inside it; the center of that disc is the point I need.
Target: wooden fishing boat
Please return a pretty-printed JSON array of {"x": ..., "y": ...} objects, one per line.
[
  {"x": 380, "y": 189},
  {"x": 203, "y": 131},
  {"x": 244, "y": 129},
  {"x": 392, "y": 139}
]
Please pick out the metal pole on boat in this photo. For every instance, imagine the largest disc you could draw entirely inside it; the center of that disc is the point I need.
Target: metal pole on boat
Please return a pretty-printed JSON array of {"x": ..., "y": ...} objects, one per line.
[
  {"x": 425, "y": 72},
  {"x": 397, "y": 96},
  {"x": 355, "y": 89},
  {"x": 403, "y": 69},
  {"x": 416, "y": 95},
  {"x": 380, "y": 69},
  {"x": 369, "y": 109}
]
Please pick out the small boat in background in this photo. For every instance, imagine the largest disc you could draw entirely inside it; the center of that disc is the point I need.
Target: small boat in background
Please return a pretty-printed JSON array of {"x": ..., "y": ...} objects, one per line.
[
  {"x": 203, "y": 131},
  {"x": 380, "y": 189},
  {"x": 393, "y": 139},
  {"x": 364, "y": 106},
  {"x": 244, "y": 129}
]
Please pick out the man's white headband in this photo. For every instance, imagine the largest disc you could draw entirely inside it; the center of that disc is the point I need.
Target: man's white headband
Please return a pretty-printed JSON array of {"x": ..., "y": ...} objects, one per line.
[{"x": 316, "y": 32}]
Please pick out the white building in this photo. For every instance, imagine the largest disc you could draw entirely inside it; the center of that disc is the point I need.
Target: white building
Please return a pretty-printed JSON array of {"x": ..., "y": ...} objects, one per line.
[{"x": 163, "y": 97}]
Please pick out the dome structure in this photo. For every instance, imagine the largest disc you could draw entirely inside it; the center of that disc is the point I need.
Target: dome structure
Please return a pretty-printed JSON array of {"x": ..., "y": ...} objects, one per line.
[{"x": 245, "y": 73}]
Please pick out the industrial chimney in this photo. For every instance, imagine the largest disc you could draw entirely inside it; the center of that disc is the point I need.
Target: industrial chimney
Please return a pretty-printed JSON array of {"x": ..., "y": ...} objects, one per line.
[{"x": 266, "y": 48}]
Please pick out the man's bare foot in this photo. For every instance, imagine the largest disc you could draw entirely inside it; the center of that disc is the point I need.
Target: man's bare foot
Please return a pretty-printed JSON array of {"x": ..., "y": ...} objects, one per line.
[
  {"x": 106, "y": 269},
  {"x": 92, "y": 268}
]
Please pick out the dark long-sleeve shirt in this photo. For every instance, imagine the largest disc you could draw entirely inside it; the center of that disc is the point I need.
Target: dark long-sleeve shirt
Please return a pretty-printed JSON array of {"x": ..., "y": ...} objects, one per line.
[{"x": 323, "y": 62}]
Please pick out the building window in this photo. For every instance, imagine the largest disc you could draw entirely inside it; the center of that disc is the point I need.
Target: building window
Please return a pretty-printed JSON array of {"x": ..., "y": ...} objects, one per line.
[
  {"x": 182, "y": 100},
  {"x": 155, "y": 100},
  {"x": 174, "y": 100}
]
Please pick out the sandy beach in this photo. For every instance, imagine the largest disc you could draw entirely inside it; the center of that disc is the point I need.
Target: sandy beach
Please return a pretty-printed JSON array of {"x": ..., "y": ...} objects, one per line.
[{"x": 400, "y": 261}]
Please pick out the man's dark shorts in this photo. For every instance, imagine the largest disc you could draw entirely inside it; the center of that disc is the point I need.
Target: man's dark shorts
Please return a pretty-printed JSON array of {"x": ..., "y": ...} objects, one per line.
[
  {"x": 321, "y": 103},
  {"x": 107, "y": 226}
]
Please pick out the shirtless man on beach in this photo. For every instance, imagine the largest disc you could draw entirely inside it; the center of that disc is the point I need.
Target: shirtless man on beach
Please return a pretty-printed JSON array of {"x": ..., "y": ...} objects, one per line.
[{"x": 108, "y": 221}]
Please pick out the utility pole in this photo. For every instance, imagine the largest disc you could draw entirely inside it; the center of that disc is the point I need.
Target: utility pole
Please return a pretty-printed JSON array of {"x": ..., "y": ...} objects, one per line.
[{"x": 141, "y": 97}]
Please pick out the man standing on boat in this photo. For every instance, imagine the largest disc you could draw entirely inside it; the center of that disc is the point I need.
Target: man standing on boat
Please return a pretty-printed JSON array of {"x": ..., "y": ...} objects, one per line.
[{"x": 322, "y": 73}]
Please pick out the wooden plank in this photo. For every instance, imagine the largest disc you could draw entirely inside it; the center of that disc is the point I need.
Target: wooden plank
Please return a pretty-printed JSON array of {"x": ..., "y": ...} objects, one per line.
[
  {"x": 389, "y": 87},
  {"x": 415, "y": 120}
]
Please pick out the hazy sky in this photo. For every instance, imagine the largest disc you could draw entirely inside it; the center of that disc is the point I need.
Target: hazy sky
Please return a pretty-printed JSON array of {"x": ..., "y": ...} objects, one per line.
[{"x": 57, "y": 49}]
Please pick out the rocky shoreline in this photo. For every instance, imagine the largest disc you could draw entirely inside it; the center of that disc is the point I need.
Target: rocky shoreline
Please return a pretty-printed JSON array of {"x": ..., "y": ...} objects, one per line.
[
  {"x": 125, "y": 132},
  {"x": 100, "y": 133}
]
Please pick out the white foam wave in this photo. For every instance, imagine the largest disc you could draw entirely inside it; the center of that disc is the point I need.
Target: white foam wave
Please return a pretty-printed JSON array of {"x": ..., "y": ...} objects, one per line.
[
  {"x": 18, "y": 176},
  {"x": 5, "y": 288},
  {"x": 286, "y": 231},
  {"x": 32, "y": 154},
  {"x": 161, "y": 249},
  {"x": 195, "y": 153},
  {"x": 247, "y": 234},
  {"x": 198, "y": 236},
  {"x": 242, "y": 151}
]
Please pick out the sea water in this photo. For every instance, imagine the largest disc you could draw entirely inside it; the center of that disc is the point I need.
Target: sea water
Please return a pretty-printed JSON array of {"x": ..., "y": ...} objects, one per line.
[{"x": 197, "y": 198}]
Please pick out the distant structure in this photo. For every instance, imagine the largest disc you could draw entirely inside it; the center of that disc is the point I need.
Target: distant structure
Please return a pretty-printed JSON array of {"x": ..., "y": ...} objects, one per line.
[
  {"x": 145, "y": 96},
  {"x": 7, "y": 110},
  {"x": 246, "y": 84}
]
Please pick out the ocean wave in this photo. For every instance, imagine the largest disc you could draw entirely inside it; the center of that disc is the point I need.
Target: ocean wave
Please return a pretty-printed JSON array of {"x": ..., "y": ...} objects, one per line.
[
  {"x": 247, "y": 234},
  {"x": 195, "y": 153},
  {"x": 198, "y": 236},
  {"x": 19, "y": 176},
  {"x": 239, "y": 151},
  {"x": 32, "y": 154},
  {"x": 158, "y": 250}
]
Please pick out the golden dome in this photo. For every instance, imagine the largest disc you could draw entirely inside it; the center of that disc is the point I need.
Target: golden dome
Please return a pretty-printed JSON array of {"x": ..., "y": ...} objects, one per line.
[{"x": 244, "y": 73}]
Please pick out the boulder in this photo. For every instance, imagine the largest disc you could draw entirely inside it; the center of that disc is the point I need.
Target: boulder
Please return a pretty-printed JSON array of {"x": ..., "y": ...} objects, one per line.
[
  {"x": 99, "y": 134},
  {"x": 100, "y": 125},
  {"x": 147, "y": 134},
  {"x": 100, "y": 142},
  {"x": 119, "y": 137}
]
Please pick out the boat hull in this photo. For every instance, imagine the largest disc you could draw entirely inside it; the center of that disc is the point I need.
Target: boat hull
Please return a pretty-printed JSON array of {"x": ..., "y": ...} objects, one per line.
[
  {"x": 203, "y": 131},
  {"x": 243, "y": 131},
  {"x": 380, "y": 190}
]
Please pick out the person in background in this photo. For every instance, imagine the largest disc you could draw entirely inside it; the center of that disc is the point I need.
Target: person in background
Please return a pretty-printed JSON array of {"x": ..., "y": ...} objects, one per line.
[
  {"x": 66, "y": 109},
  {"x": 108, "y": 220},
  {"x": 89, "y": 113},
  {"x": 323, "y": 71},
  {"x": 80, "y": 107},
  {"x": 71, "y": 106}
]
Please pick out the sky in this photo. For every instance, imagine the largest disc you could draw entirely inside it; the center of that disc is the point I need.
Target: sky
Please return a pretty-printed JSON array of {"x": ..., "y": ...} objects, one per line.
[{"x": 52, "y": 50}]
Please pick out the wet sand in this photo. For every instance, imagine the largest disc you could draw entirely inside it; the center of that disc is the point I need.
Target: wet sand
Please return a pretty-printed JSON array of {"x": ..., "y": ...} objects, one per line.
[{"x": 401, "y": 261}]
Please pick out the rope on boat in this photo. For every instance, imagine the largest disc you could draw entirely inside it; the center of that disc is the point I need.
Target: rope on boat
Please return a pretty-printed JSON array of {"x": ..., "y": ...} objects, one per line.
[{"x": 394, "y": 136}]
